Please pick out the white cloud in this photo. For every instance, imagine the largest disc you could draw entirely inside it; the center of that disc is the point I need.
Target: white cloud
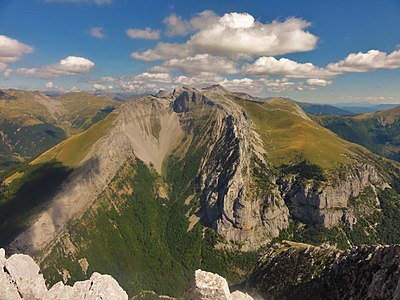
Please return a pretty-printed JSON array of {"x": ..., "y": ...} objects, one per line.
[
  {"x": 265, "y": 66},
  {"x": 49, "y": 85},
  {"x": 101, "y": 87},
  {"x": 199, "y": 64},
  {"x": 239, "y": 33},
  {"x": 316, "y": 82},
  {"x": 154, "y": 77},
  {"x": 11, "y": 51},
  {"x": 162, "y": 51},
  {"x": 147, "y": 33},
  {"x": 97, "y": 2},
  {"x": 97, "y": 32},
  {"x": 364, "y": 62},
  {"x": 234, "y": 35},
  {"x": 71, "y": 65},
  {"x": 5, "y": 70},
  {"x": 177, "y": 26}
]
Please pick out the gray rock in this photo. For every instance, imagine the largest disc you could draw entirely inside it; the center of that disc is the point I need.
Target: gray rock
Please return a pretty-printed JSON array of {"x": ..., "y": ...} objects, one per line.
[
  {"x": 210, "y": 286},
  {"x": 20, "y": 279},
  {"x": 25, "y": 273}
]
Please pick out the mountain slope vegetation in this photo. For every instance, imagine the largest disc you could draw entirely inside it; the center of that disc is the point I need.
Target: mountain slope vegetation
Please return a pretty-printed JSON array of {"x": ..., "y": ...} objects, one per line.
[
  {"x": 193, "y": 179},
  {"x": 379, "y": 132},
  {"x": 32, "y": 122}
]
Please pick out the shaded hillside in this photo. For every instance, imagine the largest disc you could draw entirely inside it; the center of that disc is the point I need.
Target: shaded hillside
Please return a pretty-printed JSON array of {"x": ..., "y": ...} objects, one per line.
[
  {"x": 324, "y": 109},
  {"x": 327, "y": 273},
  {"x": 379, "y": 132},
  {"x": 31, "y": 122}
]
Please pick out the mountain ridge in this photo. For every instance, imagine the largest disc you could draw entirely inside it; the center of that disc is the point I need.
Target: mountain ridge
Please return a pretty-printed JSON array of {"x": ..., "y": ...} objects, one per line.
[{"x": 223, "y": 175}]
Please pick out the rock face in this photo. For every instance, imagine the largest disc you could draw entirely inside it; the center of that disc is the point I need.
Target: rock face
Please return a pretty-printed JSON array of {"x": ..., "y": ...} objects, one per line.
[
  {"x": 20, "y": 279},
  {"x": 327, "y": 273},
  {"x": 209, "y": 286},
  {"x": 244, "y": 212},
  {"x": 326, "y": 204}
]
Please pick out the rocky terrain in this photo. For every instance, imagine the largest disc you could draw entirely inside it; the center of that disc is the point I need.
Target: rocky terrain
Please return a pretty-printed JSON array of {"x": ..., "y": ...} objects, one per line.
[
  {"x": 309, "y": 272},
  {"x": 20, "y": 278},
  {"x": 195, "y": 179}
]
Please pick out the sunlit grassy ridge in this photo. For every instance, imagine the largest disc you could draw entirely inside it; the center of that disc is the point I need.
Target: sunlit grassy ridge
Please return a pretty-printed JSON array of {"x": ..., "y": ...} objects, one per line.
[
  {"x": 82, "y": 109},
  {"x": 31, "y": 122},
  {"x": 289, "y": 136},
  {"x": 73, "y": 150}
]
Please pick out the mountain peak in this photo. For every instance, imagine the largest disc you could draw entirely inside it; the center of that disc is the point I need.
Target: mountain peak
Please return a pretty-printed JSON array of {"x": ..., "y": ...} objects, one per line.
[{"x": 215, "y": 87}]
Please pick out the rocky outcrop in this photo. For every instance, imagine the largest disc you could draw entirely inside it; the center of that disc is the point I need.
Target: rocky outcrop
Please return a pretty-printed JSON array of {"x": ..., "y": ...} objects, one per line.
[
  {"x": 210, "y": 286},
  {"x": 326, "y": 204},
  {"x": 365, "y": 272},
  {"x": 20, "y": 278}
]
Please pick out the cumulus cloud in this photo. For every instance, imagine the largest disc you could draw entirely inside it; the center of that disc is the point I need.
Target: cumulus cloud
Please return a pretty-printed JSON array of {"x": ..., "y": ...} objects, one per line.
[
  {"x": 177, "y": 26},
  {"x": 101, "y": 87},
  {"x": 239, "y": 33},
  {"x": 147, "y": 34},
  {"x": 162, "y": 51},
  {"x": 97, "y": 2},
  {"x": 265, "y": 66},
  {"x": 71, "y": 65},
  {"x": 198, "y": 64},
  {"x": 11, "y": 50},
  {"x": 97, "y": 32},
  {"x": 154, "y": 77},
  {"x": 364, "y": 62},
  {"x": 316, "y": 82},
  {"x": 235, "y": 34}
]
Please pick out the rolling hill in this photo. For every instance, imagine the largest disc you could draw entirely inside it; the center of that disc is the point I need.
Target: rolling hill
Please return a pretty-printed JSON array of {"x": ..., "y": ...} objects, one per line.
[
  {"x": 32, "y": 122},
  {"x": 379, "y": 131}
]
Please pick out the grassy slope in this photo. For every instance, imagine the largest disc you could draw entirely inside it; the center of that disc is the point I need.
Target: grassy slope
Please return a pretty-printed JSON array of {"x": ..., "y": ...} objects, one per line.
[
  {"x": 84, "y": 109},
  {"x": 71, "y": 151},
  {"x": 367, "y": 130},
  {"x": 28, "y": 126},
  {"x": 289, "y": 137}
]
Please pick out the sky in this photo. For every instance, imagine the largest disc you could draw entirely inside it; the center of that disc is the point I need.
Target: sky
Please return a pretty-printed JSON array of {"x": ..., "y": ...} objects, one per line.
[{"x": 313, "y": 51}]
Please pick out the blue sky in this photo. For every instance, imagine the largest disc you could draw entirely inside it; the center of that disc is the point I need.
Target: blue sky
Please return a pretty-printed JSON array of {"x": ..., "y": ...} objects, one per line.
[{"x": 316, "y": 51}]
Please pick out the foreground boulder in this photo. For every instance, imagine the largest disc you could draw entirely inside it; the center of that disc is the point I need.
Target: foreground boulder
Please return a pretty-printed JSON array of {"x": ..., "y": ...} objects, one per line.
[
  {"x": 20, "y": 279},
  {"x": 210, "y": 286}
]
